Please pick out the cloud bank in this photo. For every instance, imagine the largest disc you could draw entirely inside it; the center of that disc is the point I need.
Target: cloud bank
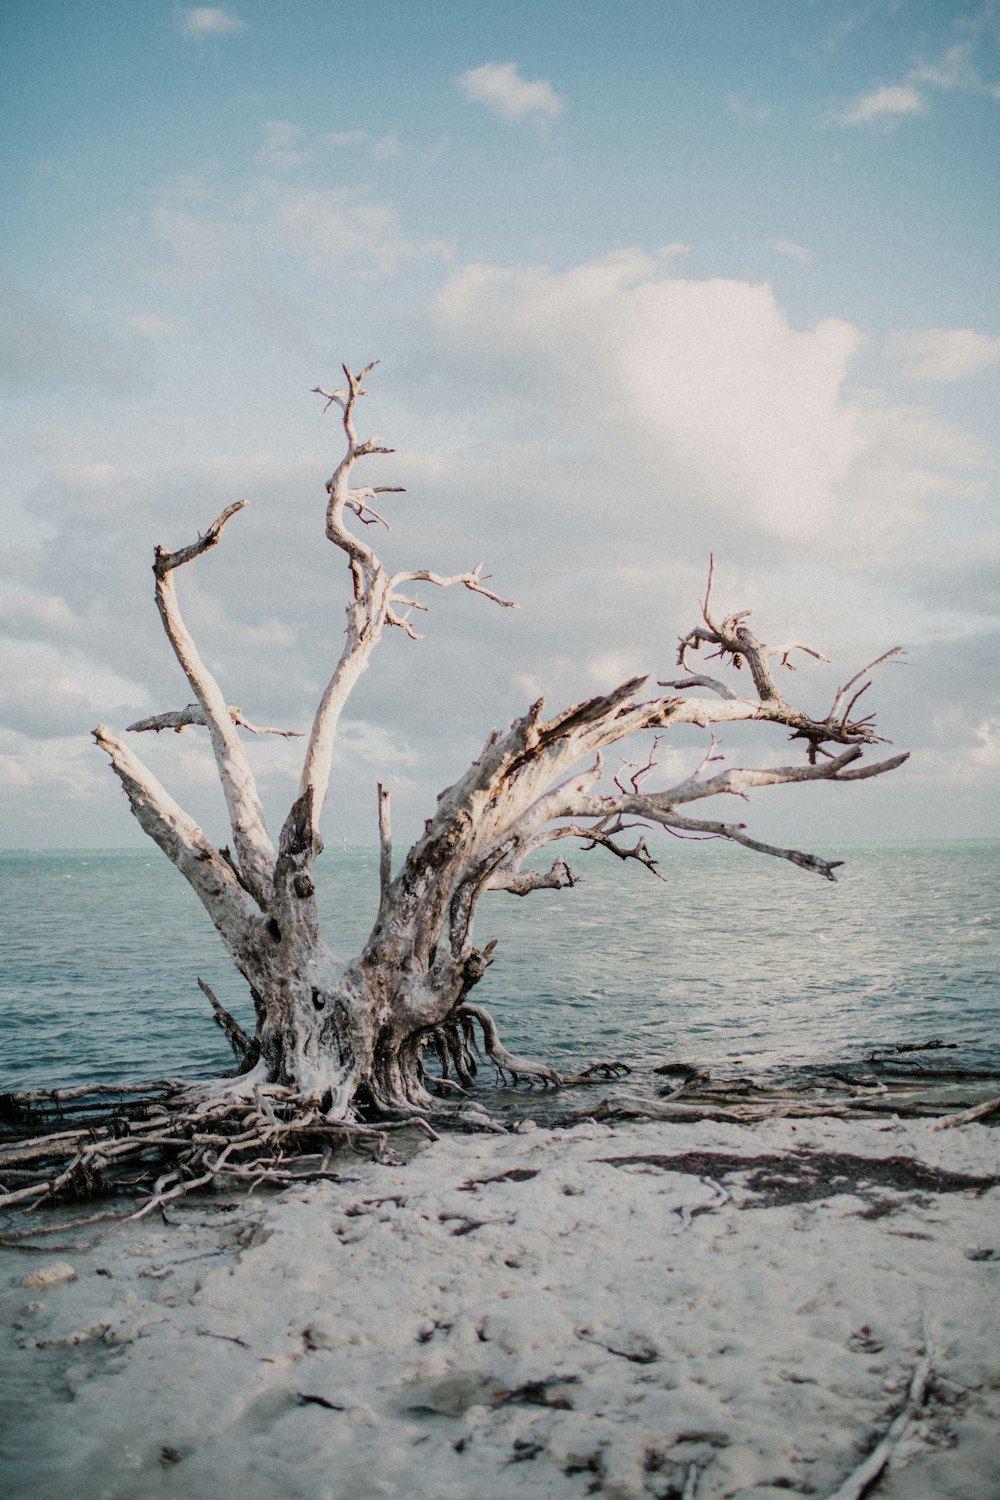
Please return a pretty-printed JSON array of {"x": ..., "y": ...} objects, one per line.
[
  {"x": 500, "y": 87},
  {"x": 198, "y": 22}
]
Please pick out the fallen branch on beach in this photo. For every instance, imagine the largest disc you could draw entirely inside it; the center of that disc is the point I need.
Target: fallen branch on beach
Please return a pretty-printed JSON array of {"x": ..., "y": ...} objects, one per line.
[
  {"x": 163, "y": 1141},
  {"x": 967, "y": 1116},
  {"x": 863, "y": 1477},
  {"x": 745, "y": 1103},
  {"x": 159, "y": 1142},
  {"x": 631, "y": 1107}
]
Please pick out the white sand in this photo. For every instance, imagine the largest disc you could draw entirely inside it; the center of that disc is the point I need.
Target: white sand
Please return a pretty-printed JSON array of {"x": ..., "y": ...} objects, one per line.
[{"x": 596, "y": 1335}]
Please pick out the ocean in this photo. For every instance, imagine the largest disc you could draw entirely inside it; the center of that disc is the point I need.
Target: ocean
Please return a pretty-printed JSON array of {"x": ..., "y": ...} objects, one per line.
[{"x": 735, "y": 962}]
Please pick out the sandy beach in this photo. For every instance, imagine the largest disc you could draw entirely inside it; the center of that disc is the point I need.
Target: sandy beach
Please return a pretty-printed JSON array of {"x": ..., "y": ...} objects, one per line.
[{"x": 699, "y": 1310}]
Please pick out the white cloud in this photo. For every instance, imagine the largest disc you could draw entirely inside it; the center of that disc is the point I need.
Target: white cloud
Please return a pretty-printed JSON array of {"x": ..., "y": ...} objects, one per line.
[
  {"x": 43, "y": 344},
  {"x": 944, "y": 353},
  {"x": 338, "y": 139},
  {"x": 793, "y": 250},
  {"x": 953, "y": 70},
  {"x": 332, "y": 231},
  {"x": 722, "y": 396},
  {"x": 387, "y": 147},
  {"x": 59, "y": 775},
  {"x": 282, "y": 146},
  {"x": 985, "y": 752},
  {"x": 32, "y": 615},
  {"x": 46, "y": 692},
  {"x": 200, "y": 21},
  {"x": 703, "y": 395},
  {"x": 502, "y": 89},
  {"x": 606, "y": 669},
  {"x": 888, "y": 104},
  {"x": 360, "y": 742},
  {"x": 152, "y": 326},
  {"x": 758, "y": 113},
  {"x": 884, "y": 106}
]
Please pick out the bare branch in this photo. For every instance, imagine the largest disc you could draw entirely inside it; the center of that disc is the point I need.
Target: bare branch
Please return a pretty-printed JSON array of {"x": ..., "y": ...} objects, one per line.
[
  {"x": 735, "y": 641},
  {"x": 861, "y": 1479},
  {"x": 338, "y": 398},
  {"x": 738, "y": 780},
  {"x": 358, "y": 502},
  {"x": 517, "y": 1067},
  {"x": 708, "y": 593},
  {"x": 185, "y": 845},
  {"x": 640, "y": 771},
  {"x": 599, "y": 836},
  {"x": 364, "y": 562},
  {"x": 377, "y": 602},
  {"x": 473, "y": 581},
  {"x": 714, "y": 684},
  {"x": 246, "y": 815},
  {"x": 178, "y": 719},
  {"x": 235, "y": 1035},
  {"x": 366, "y": 617},
  {"x": 837, "y": 707},
  {"x": 166, "y": 561},
  {"x": 736, "y": 832},
  {"x": 784, "y": 652},
  {"x": 522, "y": 882},
  {"x": 877, "y": 768},
  {"x": 385, "y": 843}
]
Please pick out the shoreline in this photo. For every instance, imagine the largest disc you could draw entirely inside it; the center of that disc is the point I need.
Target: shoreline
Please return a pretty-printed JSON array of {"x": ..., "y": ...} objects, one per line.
[{"x": 613, "y": 1309}]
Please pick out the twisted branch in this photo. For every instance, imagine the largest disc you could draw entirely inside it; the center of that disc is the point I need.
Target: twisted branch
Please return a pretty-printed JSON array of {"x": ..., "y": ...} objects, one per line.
[{"x": 246, "y": 815}]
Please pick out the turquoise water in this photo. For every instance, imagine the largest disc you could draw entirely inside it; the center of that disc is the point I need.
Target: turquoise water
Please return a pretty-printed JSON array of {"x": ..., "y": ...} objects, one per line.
[{"x": 735, "y": 960}]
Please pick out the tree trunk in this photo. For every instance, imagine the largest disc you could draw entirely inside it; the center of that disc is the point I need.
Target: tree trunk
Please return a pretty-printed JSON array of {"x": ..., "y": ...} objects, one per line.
[{"x": 344, "y": 1038}]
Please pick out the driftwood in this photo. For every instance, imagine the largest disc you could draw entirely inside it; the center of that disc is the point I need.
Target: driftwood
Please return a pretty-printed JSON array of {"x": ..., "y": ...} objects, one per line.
[
  {"x": 338, "y": 1034},
  {"x": 863, "y": 1477},
  {"x": 967, "y": 1116},
  {"x": 339, "y": 1046},
  {"x": 745, "y": 1104},
  {"x": 163, "y": 1142},
  {"x": 158, "y": 1142}
]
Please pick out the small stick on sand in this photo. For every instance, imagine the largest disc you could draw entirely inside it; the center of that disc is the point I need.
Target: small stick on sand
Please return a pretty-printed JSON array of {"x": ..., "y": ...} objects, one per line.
[
  {"x": 967, "y": 1116},
  {"x": 855, "y": 1485}
]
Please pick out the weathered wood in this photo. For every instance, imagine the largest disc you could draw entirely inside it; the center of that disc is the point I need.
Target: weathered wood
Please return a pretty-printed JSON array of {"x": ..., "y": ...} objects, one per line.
[
  {"x": 346, "y": 1037},
  {"x": 235, "y": 1035},
  {"x": 860, "y": 1480},
  {"x": 246, "y": 815},
  {"x": 968, "y": 1116},
  {"x": 179, "y": 719}
]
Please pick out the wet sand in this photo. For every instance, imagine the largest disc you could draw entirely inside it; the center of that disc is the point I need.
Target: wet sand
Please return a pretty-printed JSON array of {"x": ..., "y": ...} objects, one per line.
[{"x": 639, "y": 1310}]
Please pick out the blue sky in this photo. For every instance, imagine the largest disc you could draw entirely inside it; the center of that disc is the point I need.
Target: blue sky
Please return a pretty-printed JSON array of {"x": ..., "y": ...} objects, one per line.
[{"x": 646, "y": 281}]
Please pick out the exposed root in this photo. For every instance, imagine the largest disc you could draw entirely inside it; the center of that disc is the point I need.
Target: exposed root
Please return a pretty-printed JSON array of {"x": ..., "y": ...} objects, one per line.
[
  {"x": 455, "y": 1044},
  {"x": 504, "y": 1061},
  {"x": 597, "y": 1072},
  {"x": 158, "y": 1142},
  {"x": 164, "y": 1141}
]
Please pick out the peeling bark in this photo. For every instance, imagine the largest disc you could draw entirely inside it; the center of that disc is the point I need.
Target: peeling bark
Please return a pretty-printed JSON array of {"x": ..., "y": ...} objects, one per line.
[{"x": 343, "y": 1039}]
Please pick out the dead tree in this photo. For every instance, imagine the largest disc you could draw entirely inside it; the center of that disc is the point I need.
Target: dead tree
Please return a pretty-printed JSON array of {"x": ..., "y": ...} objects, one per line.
[{"x": 348, "y": 1040}]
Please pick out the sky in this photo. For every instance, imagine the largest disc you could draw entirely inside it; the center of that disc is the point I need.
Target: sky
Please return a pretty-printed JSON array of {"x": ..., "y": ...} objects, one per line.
[{"x": 647, "y": 282}]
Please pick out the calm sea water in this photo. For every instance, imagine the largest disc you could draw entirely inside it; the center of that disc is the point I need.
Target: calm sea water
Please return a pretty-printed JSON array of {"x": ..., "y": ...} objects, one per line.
[{"x": 736, "y": 961}]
